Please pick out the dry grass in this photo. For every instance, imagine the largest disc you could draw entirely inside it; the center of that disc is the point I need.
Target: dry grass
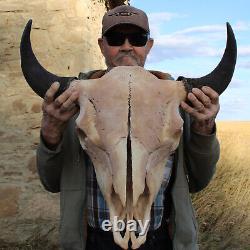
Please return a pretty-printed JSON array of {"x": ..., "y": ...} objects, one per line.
[{"x": 223, "y": 208}]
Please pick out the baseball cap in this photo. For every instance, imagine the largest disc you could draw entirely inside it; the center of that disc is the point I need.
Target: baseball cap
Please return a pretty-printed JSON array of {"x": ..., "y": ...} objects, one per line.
[{"x": 125, "y": 14}]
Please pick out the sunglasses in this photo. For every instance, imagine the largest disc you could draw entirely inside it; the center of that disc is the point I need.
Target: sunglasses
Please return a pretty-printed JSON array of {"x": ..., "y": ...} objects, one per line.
[{"x": 135, "y": 39}]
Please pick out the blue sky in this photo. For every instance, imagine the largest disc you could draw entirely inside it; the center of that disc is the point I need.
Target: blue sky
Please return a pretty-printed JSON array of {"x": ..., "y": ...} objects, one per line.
[{"x": 190, "y": 38}]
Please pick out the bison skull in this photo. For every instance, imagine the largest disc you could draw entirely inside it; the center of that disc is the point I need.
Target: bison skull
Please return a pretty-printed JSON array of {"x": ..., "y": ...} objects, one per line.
[{"x": 129, "y": 124}]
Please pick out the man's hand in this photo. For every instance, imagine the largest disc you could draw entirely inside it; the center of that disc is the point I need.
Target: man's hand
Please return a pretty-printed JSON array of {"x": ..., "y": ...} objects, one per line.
[
  {"x": 56, "y": 113},
  {"x": 205, "y": 107}
]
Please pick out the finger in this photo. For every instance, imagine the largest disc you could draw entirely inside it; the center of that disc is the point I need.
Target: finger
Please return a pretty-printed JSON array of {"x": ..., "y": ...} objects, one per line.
[
  {"x": 212, "y": 94},
  {"x": 194, "y": 113},
  {"x": 188, "y": 108},
  {"x": 197, "y": 105},
  {"x": 202, "y": 97},
  {"x": 63, "y": 97},
  {"x": 67, "y": 115},
  {"x": 70, "y": 102},
  {"x": 50, "y": 93}
]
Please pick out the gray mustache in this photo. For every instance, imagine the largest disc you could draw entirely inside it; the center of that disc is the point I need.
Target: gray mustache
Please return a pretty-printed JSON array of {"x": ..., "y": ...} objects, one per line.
[{"x": 128, "y": 53}]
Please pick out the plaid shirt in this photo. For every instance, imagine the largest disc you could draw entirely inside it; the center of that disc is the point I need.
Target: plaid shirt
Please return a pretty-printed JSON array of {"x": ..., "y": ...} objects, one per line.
[{"x": 97, "y": 207}]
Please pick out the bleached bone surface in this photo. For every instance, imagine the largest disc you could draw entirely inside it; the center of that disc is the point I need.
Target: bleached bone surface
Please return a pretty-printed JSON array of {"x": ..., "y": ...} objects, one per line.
[{"x": 129, "y": 124}]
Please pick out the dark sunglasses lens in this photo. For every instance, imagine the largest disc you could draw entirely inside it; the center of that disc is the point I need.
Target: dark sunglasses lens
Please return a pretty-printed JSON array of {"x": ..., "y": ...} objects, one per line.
[
  {"x": 115, "y": 39},
  {"x": 138, "y": 39},
  {"x": 118, "y": 39}
]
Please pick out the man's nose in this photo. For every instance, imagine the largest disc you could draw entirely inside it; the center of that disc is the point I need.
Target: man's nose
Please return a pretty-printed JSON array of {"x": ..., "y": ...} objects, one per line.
[{"x": 126, "y": 46}]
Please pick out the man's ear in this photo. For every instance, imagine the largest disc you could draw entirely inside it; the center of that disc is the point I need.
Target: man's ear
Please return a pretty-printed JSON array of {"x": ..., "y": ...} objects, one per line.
[
  {"x": 100, "y": 43},
  {"x": 149, "y": 45}
]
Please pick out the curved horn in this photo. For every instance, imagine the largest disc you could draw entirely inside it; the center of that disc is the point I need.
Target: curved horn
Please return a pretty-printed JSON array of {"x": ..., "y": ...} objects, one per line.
[
  {"x": 221, "y": 76},
  {"x": 37, "y": 77}
]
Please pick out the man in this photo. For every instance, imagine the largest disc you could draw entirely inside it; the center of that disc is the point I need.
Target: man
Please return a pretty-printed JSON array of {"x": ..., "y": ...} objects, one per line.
[{"x": 63, "y": 166}]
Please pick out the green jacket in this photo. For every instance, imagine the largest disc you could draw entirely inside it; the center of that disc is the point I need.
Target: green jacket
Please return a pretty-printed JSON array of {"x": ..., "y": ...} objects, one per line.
[{"x": 64, "y": 170}]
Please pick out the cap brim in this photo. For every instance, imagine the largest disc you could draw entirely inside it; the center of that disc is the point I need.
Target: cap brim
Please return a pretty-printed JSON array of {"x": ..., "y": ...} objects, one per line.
[{"x": 121, "y": 23}]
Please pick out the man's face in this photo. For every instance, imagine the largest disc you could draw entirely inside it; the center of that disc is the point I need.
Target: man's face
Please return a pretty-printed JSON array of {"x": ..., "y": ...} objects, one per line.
[{"x": 125, "y": 54}]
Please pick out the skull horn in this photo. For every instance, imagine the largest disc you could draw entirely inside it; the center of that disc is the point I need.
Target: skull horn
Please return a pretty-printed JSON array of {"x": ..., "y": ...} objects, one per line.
[
  {"x": 221, "y": 76},
  {"x": 37, "y": 77}
]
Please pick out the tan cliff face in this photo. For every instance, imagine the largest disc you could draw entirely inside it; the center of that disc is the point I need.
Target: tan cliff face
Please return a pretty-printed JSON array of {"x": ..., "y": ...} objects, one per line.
[{"x": 64, "y": 39}]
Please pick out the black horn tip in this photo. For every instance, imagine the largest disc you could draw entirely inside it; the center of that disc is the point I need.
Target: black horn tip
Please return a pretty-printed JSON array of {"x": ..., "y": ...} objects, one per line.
[
  {"x": 229, "y": 27},
  {"x": 25, "y": 40},
  {"x": 221, "y": 76},
  {"x": 29, "y": 23},
  {"x": 28, "y": 26},
  {"x": 27, "y": 29},
  {"x": 36, "y": 76}
]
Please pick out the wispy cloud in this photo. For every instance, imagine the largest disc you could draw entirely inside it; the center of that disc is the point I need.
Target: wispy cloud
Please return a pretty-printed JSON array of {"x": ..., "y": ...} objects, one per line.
[
  {"x": 245, "y": 65},
  {"x": 239, "y": 26},
  {"x": 201, "y": 29},
  {"x": 237, "y": 83},
  {"x": 158, "y": 19},
  {"x": 191, "y": 41},
  {"x": 205, "y": 41},
  {"x": 172, "y": 46},
  {"x": 244, "y": 50}
]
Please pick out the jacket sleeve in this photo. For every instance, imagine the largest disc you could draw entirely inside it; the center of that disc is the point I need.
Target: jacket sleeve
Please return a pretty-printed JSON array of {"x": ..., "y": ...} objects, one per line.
[
  {"x": 49, "y": 162},
  {"x": 49, "y": 166},
  {"x": 201, "y": 154}
]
